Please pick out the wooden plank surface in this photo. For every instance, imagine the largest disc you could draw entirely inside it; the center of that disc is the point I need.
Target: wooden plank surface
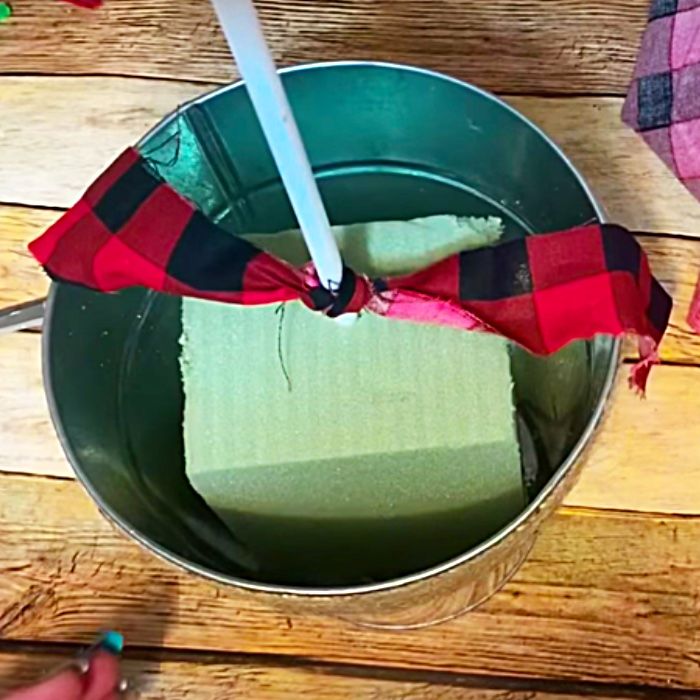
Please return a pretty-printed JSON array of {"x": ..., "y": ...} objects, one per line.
[
  {"x": 645, "y": 457},
  {"x": 28, "y": 442},
  {"x": 202, "y": 677},
  {"x": 57, "y": 134},
  {"x": 538, "y": 46},
  {"x": 604, "y": 597},
  {"x": 21, "y": 279}
]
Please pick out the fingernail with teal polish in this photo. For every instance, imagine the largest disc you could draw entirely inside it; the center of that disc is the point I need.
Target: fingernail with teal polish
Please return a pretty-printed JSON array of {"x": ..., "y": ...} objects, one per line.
[{"x": 112, "y": 642}]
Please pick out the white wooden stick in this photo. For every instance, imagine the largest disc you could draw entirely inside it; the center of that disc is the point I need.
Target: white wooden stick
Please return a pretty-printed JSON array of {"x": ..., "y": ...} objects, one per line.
[{"x": 243, "y": 32}]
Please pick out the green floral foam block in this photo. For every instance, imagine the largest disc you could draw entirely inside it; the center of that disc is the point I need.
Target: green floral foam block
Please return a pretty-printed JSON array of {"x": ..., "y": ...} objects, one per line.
[{"x": 395, "y": 447}]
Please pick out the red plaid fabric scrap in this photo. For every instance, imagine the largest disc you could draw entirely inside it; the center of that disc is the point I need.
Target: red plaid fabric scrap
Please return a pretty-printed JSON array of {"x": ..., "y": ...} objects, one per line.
[{"x": 132, "y": 229}]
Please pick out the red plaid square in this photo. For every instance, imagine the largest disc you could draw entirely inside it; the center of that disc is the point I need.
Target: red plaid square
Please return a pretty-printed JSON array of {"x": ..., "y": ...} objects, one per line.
[
  {"x": 116, "y": 266},
  {"x": 515, "y": 318},
  {"x": 553, "y": 257},
  {"x": 43, "y": 248},
  {"x": 87, "y": 235},
  {"x": 562, "y": 314},
  {"x": 155, "y": 229}
]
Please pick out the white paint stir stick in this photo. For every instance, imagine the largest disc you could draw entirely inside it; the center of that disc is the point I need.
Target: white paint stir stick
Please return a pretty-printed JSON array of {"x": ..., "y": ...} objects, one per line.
[{"x": 243, "y": 32}]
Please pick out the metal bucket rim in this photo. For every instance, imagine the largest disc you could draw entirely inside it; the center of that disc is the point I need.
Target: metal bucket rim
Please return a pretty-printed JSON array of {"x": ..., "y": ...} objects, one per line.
[{"x": 391, "y": 584}]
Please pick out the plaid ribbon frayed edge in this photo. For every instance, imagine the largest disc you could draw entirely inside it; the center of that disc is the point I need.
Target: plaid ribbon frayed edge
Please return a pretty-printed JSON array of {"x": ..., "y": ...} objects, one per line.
[
  {"x": 542, "y": 292},
  {"x": 663, "y": 103}
]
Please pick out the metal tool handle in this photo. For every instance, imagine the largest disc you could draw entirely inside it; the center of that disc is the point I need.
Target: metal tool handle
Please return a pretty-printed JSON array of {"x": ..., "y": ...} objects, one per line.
[{"x": 22, "y": 317}]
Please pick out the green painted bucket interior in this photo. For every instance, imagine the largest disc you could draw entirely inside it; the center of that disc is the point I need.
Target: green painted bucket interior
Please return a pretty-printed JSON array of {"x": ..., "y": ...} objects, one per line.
[{"x": 386, "y": 143}]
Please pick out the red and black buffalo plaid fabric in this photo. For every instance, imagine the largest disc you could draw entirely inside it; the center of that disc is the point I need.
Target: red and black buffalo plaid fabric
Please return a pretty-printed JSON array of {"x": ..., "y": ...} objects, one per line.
[{"x": 132, "y": 229}]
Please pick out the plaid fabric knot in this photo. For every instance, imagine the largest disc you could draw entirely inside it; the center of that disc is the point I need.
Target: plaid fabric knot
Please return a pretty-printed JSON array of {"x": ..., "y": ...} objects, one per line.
[
  {"x": 352, "y": 296},
  {"x": 542, "y": 292}
]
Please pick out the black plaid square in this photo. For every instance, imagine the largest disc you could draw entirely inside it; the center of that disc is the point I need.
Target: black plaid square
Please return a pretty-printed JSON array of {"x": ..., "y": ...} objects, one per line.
[
  {"x": 495, "y": 273},
  {"x": 660, "y": 305},
  {"x": 622, "y": 252},
  {"x": 655, "y": 101},
  {"x": 208, "y": 258},
  {"x": 662, "y": 8},
  {"x": 123, "y": 199}
]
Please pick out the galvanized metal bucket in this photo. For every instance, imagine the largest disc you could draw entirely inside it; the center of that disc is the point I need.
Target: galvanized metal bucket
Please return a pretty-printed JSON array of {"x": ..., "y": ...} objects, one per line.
[{"x": 386, "y": 142}]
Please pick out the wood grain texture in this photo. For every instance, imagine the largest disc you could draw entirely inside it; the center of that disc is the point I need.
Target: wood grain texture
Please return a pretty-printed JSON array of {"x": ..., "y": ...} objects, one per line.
[
  {"x": 675, "y": 261},
  {"x": 604, "y": 597},
  {"x": 540, "y": 46},
  {"x": 21, "y": 278},
  {"x": 57, "y": 134},
  {"x": 644, "y": 459},
  {"x": 28, "y": 442},
  {"x": 202, "y": 677}
]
